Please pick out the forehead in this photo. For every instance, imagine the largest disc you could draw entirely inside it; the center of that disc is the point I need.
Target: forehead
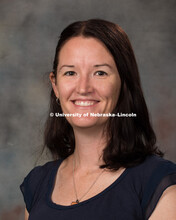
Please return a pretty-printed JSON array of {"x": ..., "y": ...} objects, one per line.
[{"x": 84, "y": 49}]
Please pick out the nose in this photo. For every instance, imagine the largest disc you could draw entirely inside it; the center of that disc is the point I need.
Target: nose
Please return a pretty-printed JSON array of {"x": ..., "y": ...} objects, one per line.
[{"x": 84, "y": 85}]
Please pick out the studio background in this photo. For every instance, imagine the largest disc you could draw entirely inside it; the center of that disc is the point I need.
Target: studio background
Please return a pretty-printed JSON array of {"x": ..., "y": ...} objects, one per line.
[{"x": 29, "y": 32}]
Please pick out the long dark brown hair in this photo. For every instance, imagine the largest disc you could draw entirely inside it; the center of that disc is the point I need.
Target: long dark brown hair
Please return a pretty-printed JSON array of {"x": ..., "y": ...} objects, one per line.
[{"x": 131, "y": 139}]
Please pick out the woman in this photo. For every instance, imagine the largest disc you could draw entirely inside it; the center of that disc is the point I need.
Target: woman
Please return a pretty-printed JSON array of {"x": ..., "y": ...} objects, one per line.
[{"x": 105, "y": 167}]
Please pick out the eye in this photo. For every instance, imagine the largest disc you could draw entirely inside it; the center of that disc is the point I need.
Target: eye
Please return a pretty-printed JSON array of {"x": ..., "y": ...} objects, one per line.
[
  {"x": 101, "y": 73},
  {"x": 69, "y": 73}
]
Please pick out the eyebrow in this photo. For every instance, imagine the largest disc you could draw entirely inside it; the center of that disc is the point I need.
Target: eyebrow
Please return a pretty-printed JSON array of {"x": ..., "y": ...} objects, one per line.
[
  {"x": 104, "y": 64},
  {"x": 96, "y": 66},
  {"x": 71, "y": 66}
]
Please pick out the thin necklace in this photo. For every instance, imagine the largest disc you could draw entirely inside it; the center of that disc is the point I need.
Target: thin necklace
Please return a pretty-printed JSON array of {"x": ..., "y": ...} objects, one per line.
[{"x": 74, "y": 184}]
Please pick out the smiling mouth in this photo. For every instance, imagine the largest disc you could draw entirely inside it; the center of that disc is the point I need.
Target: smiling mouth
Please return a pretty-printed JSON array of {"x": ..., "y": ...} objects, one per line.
[{"x": 85, "y": 103}]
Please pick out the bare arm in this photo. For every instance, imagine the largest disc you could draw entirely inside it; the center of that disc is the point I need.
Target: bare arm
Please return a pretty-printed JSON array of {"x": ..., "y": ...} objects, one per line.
[
  {"x": 166, "y": 207},
  {"x": 26, "y": 215}
]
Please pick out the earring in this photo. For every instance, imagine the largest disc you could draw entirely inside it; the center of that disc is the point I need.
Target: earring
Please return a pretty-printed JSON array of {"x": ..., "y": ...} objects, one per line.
[{"x": 58, "y": 101}]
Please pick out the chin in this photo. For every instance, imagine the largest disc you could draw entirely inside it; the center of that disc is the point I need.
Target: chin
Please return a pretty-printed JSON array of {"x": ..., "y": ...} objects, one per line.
[{"x": 86, "y": 122}]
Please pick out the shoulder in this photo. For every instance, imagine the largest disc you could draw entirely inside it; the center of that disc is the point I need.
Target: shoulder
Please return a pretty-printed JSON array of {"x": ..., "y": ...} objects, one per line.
[
  {"x": 42, "y": 169},
  {"x": 152, "y": 167},
  {"x": 39, "y": 172},
  {"x": 151, "y": 178},
  {"x": 165, "y": 208},
  {"x": 154, "y": 161},
  {"x": 34, "y": 181}
]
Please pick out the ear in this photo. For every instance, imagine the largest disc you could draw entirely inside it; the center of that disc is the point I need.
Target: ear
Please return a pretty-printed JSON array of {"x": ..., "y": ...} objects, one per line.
[{"x": 53, "y": 83}]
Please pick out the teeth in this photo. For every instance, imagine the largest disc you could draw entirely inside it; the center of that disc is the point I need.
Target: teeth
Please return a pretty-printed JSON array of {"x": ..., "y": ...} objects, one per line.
[{"x": 84, "y": 103}]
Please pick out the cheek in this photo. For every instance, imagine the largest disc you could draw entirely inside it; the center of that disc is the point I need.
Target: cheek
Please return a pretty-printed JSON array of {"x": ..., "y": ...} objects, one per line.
[
  {"x": 116, "y": 91},
  {"x": 111, "y": 91},
  {"x": 64, "y": 89}
]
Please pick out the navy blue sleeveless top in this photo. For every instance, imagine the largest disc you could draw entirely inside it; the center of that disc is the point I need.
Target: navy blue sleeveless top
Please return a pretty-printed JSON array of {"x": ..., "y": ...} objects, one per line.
[{"x": 133, "y": 196}]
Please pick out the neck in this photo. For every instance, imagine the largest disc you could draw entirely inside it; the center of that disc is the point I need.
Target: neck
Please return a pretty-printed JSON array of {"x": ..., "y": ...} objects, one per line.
[{"x": 89, "y": 145}]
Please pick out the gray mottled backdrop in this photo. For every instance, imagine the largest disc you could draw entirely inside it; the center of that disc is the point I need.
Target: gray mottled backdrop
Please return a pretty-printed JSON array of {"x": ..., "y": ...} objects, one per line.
[{"x": 29, "y": 30}]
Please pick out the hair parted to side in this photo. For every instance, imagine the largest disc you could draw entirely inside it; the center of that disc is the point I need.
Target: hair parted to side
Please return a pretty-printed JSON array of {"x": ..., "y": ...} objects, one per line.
[{"x": 130, "y": 139}]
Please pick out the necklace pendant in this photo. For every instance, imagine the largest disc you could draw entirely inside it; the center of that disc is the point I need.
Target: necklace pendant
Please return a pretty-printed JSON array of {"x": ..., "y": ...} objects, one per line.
[{"x": 75, "y": 202}]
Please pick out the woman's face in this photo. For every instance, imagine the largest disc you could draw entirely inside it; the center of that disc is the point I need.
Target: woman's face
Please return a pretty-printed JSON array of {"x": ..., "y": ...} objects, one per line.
[{"x": 87, "y": 81}]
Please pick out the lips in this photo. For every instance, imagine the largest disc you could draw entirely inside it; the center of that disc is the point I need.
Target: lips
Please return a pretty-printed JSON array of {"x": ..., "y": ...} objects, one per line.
[{"x": 85, "y": 103}]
